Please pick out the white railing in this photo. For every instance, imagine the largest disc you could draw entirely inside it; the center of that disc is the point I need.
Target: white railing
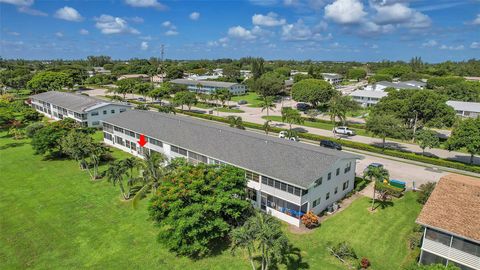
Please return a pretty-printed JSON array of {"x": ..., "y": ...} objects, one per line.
[{"x": 451, "y": 253}]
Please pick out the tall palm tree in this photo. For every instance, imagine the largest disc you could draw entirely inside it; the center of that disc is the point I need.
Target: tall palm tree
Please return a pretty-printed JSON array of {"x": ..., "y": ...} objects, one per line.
[
  {"x": 268, "y": 103},
  {"x": 291, "y": 116},
  {"x": 153, "y": 171},
  {"x": 95, "y": 153},
  {"x": 375, "y": 174},
  {"x": 130, "y": 164},
  {"x": 243, "y": 238},
  {"x": 266, "y": 126},
  {"x": 115, "y": 174}
]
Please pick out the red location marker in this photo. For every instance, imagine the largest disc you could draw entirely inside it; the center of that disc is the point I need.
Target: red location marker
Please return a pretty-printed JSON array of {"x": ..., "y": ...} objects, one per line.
[{"x": 142, "y": 140}]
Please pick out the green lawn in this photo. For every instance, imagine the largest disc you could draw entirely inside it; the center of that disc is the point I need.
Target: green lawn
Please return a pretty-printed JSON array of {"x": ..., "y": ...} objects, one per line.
[
  {"x": 315, "y": 124},
  {"x": 53, "y": 217},
  {"x": 251, "y": 97}
]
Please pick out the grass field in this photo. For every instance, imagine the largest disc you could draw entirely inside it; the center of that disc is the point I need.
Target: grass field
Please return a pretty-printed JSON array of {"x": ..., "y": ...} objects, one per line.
[
  {"x": 229, "y": 110},
  {"x": 53, "y": 217},
  {"x": 251, "y": 97}
]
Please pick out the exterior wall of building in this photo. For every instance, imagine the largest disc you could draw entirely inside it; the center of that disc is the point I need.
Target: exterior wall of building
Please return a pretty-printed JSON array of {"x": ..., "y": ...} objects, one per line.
[
  {"x": 444, "y": 248},
  {"x": 91, "y": 119},
  {"x": 365, "y": 101},
  {"x": 274, "y": 196},
  {"x": 468, "y": 114},
  {"x": 237, "y": 89}
]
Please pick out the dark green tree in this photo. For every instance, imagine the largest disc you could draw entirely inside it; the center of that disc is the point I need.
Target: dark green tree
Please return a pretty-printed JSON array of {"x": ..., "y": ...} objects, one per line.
[
  {"x": 314, "y": 91},
  {"x": 466, "y": 135}
]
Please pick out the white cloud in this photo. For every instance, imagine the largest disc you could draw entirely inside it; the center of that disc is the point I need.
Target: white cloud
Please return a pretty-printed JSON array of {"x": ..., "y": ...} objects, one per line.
[
  {"x": 59, "y": 34},
  {"x": 396, "y": 13},
  {"x": 300, "y": 31},
  {"x": 18, "y": 2},
  {"x": 419, "y": 20},
  {"x": 370, "y": 28},
  {"x": 144, "y": 45},
  {"x": 145, "y": 4},
  {"x": 240, "y": 33},
  {"x": 14, "y": 33},
  {"x": 452, "y": 48},
  {"x": 220, "y": 42},
  {"x": 475, "y": 45},
  {"x": 476, "y": 21},
  {"x": 135, "y": 19},
  {"x": 194, "y": 16},
  {"x": 167, "y": 24},
  {"x": 114, "y": 25},
  {"x": 69, "y": 14},
  {"x": 345, "y": 11},
  {"x": 271, "y": 19},
  {"x": 171, "y": 33},
  {"x": 31, "y": 11},
  {"x": 430, "y": 43},
  {"x": 84, "y": 32},
  {"x": 264, "y": 2}
]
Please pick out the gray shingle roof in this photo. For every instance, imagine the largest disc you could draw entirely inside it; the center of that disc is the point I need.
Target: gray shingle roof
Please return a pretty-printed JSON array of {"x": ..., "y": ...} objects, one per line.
[
  {"x": 297, "y": 163},
  {"x": 70, "y": 101},
  {"x": 464, "y": 106},
  {"x": 204, "y": 83}
]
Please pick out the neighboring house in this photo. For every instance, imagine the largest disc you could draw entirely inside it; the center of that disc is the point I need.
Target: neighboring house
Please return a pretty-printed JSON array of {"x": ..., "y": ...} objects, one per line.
[
  {"x": 142, "y": 77},
  {"x": 367, "y": 98},
  {"x": 158, "y": 78},
  {"x": 382, "y": 85},
  {"x": 473, "y": 79},
  {"x": 332, "y": 78},
  {"x": 285, "y": 178},
  {"x": 245, "y": 73},
  {"x": 451, "y": 221},
  {"x": 288, "y": 84},
  {"x": 87, "y": 110},
  {"x": 98, "y": 71},
  {"x": 209, "y": 87},
  {"x": 465, "y": 109},
  {"x": 294, "y": 72}
]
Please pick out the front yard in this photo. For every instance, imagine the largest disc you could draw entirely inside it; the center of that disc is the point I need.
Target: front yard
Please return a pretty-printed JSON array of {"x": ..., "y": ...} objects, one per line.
[{"x": 52, "y": 216}]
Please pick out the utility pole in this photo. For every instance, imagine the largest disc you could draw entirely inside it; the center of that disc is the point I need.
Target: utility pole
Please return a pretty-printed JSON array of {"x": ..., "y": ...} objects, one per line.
[
  {"x": 415, "y": 125},
  {"x": 162, "y": 58}
]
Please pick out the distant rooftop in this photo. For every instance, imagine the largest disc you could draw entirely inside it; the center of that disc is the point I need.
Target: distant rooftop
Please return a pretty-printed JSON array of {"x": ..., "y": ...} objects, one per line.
[
  {"x": 464, "y": 106},
  {"x": 204, "y": 83},
  {"x": 369, "y": 93},
  {"x": 403, "y": 85},
  {"x": 332, "y": 76},
  {"x": 71, "y": 101},
  {"x": 454, "y": 207},
  {"x": 297, "y": 163}
]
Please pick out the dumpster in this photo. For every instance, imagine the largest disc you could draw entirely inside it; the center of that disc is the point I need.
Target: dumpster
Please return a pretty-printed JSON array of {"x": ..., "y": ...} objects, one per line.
[{"x": 397, "y": 183}]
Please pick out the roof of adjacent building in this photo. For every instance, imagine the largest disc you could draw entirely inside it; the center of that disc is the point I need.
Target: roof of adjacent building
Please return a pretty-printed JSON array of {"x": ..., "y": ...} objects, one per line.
[
  {"x": 297, "y": 163},
  {"x": 454, "y": 207},
  {"x": 73, "y": 102},
  {"x": 204, "y": 83},
  {"x": 133, "y": 76},
  {"x": 368, "y": 93},
  {"x": 403, "y": 85},
  {"x": 332, "y": 76},
  {"x": 464, "y": 106}
]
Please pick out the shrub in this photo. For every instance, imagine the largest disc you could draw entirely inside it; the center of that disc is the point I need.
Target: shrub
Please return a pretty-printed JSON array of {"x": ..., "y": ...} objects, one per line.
[
  {"x": 310, "y": 220},
  {"x": 364, "y": 263},
  {"x": 393, "y": 191},
  {"x": 425, "y": 191}
]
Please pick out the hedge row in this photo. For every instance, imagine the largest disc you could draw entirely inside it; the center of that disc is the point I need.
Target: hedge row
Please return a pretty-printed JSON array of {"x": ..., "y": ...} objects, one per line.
[
  {"x": 351, "y": 144},
  {"x": 394, "y": 191}
]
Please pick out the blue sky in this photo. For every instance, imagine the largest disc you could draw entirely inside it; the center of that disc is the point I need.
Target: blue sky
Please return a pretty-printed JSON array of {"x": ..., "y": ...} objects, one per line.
[{"x": 362, "y": 30}]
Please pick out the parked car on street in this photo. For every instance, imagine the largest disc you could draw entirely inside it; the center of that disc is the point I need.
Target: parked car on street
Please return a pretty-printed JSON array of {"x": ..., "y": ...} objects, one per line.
[
  {"x": 330, "y": 144},
  {"x": 284, "y": 135},
  {"x": 344, "y": 131},
  {"x": 373, "y": 165},
  {"x": 242, "y": 102},
  {"x": 141, "y": 99},
  {"x": 303, "y": 107}
]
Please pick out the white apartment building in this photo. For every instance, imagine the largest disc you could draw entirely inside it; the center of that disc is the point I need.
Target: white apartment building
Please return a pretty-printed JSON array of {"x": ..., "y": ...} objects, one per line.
[
  {"x": 367, "y": 98},
  {"x": 208, "y": 87},
  {"x": 87, "y": 110},
  {"x": 451, "y": 221},
  {"x": 332, "y": 78},
  {"x": 465, "y": 109},
  {"x": 285, "y": 179}
]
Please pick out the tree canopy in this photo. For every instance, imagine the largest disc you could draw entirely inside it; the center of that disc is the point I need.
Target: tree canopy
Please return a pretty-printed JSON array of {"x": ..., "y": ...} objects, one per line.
[
  {"x": 313, "y": 91},
  {"x": 49, "y": 80},
  {"x": 466, "y": 135},
  {"x": 269, "y": 84},
  {"x": 196, "y": 206}
]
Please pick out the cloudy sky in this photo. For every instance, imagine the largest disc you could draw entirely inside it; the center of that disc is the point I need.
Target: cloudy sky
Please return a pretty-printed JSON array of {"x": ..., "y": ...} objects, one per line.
[{"x": 363, "y": 30}]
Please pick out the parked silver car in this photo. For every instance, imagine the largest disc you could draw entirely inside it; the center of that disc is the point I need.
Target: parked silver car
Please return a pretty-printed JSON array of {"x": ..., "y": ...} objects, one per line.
[{"x": 344, "y": 131}]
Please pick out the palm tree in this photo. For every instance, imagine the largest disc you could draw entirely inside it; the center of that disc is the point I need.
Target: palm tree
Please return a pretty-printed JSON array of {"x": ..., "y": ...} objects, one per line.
[
  {"x": 266, "y": 126},
  {"x": 242, "y": 238},
  {"x": 235, "y": 121},
  {"x": 268, "y": 103},
  {"x": 153, "y": 171},
  {"x": 115, "y": 174},
  {"x": 291, "y": 116},
  {"x": 130, "y": 164},
  {"x": 377, "y": 174},
  {"x": 339, "y": 106},
  {"x": 95, "y": 153}
]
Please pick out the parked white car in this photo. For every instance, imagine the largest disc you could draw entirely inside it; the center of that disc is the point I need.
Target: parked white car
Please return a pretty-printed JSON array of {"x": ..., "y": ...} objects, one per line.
[
  {"x": 344, "y": 131},
  {"x": 284, "y": 135}
]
